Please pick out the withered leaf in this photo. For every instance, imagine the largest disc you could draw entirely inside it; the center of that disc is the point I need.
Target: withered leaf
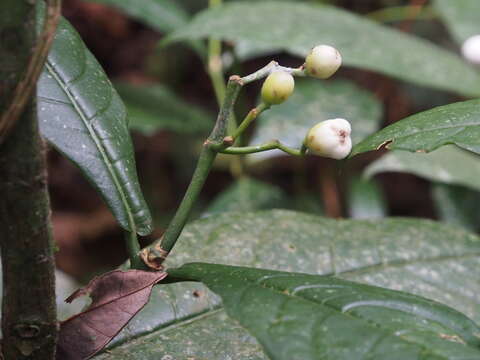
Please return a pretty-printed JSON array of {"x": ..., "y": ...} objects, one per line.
[{"x": 116, "y": 297}]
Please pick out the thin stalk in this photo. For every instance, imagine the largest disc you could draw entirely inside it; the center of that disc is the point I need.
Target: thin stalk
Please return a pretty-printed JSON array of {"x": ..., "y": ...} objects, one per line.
[
  {"x": 217, "y": 77},
  {"x": 262, "y": 147},
  {"x": 251, "y": 116},
  {"x": 156, "y": 254},
  {"x": 133, "y": 248}
]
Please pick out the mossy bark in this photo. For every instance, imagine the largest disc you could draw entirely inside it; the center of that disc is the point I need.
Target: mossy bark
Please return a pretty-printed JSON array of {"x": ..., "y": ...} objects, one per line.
[{"x": 29, "y": 323}]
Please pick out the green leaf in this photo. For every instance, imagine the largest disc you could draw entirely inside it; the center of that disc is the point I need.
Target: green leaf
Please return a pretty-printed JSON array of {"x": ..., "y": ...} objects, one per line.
[
  {"x": 457, "y": 205},
  {"x": 457, "y": 123},
  {"x": 447, "y": 165},
  {"x": 81, "y": 114},
  {"x": 154, "y": 107},
  {"x": 362, "y": 43},
  {"x": 247, "y": 195},
  {"x": 365, "y": 200},
  {"x": 314, "y": 101},
  {"x": 186, "y": 319},
  {"x": 162, "y": 15},
  {"x": 300, "y": 316},
  {"x": 462, "y": 17}
]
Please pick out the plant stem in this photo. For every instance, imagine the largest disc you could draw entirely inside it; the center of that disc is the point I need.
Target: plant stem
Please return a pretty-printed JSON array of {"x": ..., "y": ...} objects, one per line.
[
  {"x": 251, "y": 116},
  {"x": 155, "y": 255},
  {"x": 133, "y": 248},
  {"x": 29, "y": 321},
  {"x": 215, "y": 71},
  {"x": 263, "y": 147}
]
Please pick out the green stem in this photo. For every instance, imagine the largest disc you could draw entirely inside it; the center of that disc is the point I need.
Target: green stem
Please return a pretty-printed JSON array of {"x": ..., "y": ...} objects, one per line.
[
  {"x": 155, "y": 255},
  {"x": 215, "y": 71},
  {"x": 251, "y": 116},
  {"x": 133, "y": 248},
  {"x": 263, "y": 147}
]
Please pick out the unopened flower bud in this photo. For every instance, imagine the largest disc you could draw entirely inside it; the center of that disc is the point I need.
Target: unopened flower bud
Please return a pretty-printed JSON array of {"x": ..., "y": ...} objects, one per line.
[
  {"x": 330, "y": 138},
  {"x": 323, "y": 61},
  {"x": 471, "y": 49},
  {"x": 277, "y": 88}
]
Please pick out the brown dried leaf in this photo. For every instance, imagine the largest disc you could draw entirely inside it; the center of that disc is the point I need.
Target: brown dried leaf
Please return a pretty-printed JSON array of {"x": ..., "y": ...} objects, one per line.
[{"x": 116, "y": 297}]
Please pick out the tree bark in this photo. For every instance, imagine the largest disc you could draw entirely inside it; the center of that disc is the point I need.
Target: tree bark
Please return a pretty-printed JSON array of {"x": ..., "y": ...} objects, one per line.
[{"x": 29, "y": 322}]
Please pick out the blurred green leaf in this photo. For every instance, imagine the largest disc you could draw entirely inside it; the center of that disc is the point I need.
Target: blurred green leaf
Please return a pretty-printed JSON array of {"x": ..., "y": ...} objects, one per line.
[
  {"x": 81, "y": 114},
  {"x": 154, "y": 107},
  {"x": 162, "y": 15},
  {"x": 457, "y": 123},
  {"x": 300, "y": 316},
  {"x": 247, "y": 194},
  {"x": 457, "y": 205},
  {"x": 297, "y": 27},
  {"x": 365, "y": 199},
  {"x": 186, "y": 320},
  {"x": 462, "y": 17},
  {"x": 448, "y": 165},
  {"x": 314, "y": 101}
]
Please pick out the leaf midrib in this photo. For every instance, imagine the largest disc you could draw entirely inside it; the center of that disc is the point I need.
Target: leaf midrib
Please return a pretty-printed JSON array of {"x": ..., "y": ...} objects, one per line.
[{"x": 63, "y": 84}]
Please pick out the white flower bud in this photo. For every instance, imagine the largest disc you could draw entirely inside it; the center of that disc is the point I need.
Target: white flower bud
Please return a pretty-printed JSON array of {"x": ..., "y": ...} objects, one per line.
[
  {"x": 277, "y": 87},
  {"x": 323, "y": 61},
  {"x": 330, "y": 138},
  {"x": 471, "y": 49}
]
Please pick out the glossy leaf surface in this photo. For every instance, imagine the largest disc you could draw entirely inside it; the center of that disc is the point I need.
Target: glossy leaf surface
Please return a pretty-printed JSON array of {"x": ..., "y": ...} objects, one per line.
[
  {"x": 314, "y": 101},
  {"x": 362, "y": 43},
  {"x": 423, "y": 257},
  {"x": 301, "y": 317},
  {"x": 457, "y": 123},
  {"x": 462, "y": 17},
  {"x": 448, "y": 165},
  {"x": 154, "y": 107},
  {"x": 81, "y": 114}
]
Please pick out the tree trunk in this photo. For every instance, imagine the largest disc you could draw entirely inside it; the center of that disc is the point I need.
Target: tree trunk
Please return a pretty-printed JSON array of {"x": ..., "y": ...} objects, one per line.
[{"x": 29, "y": 323}]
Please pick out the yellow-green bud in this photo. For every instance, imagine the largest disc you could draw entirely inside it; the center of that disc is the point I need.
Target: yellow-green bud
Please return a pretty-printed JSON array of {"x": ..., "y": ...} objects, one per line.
[
  {"x": 330, "y": 138},
  {"x": 277, "y": 87},
  {"x": 323, "y": 61}
]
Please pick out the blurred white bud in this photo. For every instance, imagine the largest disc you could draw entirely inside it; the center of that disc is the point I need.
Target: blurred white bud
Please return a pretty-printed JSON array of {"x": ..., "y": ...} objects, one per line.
[
  {"x": 323, "y": 61},
  {"x": 471, "y": 49},
  {"x": 277, "y": 87},
  {"x": 330, "y": 138}
]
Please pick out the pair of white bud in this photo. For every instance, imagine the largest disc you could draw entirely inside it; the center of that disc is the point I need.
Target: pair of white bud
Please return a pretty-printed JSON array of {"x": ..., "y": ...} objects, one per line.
[
  {"x": 322, "y": 62},
  {"x": 329, "y": 138}
]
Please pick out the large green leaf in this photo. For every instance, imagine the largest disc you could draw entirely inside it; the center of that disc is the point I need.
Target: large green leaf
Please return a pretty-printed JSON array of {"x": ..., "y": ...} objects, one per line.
[
  {"x": 162, "y": 15},
  {"x": 314, "y": 101},
  {"x": 457, "y": 123},
  {"x": 461, "y": 16},
  {"x": 448, "y": 165},
  {"x": 297, "y": 27},
  {"x": 301, "y": 317},
  {"x": 185, "y": 319},
  {"x": 81, "y": 114},
  {"x": 154, "y": 107}
]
